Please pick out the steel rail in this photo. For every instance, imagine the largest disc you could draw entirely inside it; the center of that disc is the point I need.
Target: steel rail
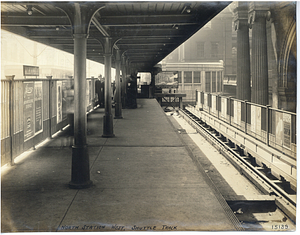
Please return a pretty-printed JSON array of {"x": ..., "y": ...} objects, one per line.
[{"x": 287, "y": 203}]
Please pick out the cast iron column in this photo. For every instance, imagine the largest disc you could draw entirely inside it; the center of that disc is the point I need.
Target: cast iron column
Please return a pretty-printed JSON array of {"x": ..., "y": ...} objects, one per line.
[
  {"x": 243, "y": 90},
  {"x": 152, "y": 95},
  {"x": 118, "y": 108},
  {"x": 257, "y": 18},
  {"x": 107, "y": 119},
  {"x": 80, "y": 157},
  {"x": 80, "y": 16},
  {"x": 124, "y": 82}
]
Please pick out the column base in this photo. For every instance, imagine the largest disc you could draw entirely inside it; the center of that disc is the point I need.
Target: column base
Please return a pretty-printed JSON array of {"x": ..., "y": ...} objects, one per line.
[
  {"x": 108, "y": 136},
  {"x": 87, "y": 184},
  {"x": 80, "y": 176},
  {"x": 108, "y": 126},
  {"x": 120, "y": 117}
]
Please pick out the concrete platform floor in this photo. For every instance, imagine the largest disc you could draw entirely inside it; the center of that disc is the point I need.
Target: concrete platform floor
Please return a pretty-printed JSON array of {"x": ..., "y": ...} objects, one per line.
[{"x": 143, "y": 179}]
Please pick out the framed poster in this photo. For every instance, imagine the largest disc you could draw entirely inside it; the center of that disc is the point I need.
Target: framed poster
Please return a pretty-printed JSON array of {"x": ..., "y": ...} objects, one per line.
[
  {"x": 28, "y": 109},
  {"x": 59, "y": 113},
  {"x": 90, "y": 91},
  {"x": 38, "y": 109},
  {"x": 64, "y": 99}
]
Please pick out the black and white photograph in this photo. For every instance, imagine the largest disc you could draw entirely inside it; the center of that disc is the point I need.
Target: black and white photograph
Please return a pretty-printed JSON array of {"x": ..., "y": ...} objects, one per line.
[{"x": 148, "y": 116}]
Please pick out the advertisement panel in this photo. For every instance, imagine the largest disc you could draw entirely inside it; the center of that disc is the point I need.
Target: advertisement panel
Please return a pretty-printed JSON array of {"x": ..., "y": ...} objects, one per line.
[
  {"x": 28, "y": 109},
  {"x": 90, "y": 91},
  {"x": 59, "y": 101},
  {"x": 38, "y": 101},
  {"x": 64, "y": 99}
]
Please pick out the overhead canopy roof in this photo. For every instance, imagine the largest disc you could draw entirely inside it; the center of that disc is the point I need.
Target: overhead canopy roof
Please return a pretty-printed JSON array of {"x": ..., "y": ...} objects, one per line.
[{"x": 146, "y": 32}]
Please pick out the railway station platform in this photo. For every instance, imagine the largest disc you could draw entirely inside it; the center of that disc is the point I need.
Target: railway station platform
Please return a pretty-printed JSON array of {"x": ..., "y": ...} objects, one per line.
[{"x": 143, "y": 179}]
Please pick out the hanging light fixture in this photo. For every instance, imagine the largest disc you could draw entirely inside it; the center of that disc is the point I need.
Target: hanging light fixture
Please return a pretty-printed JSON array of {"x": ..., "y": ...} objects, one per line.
[
  {"x": 29, "y": 10},
  {"x": 188, "y": 9}
]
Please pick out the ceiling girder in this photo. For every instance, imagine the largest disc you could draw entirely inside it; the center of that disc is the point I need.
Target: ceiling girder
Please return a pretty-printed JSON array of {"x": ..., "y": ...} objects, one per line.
[{"x": 146, "y": 31}]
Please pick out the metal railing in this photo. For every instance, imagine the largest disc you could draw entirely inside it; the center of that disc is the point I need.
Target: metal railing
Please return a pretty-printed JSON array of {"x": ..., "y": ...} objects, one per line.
[
  {"x": 33, "y": 110},
  {"x": 274, "y": 127}
]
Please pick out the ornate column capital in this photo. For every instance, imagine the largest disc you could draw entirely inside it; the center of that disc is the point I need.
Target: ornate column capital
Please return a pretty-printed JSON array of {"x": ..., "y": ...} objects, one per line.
[
  {"x": 79, "y": 14},
  {"x": 240, "y": 16},
  {"x": 258, "y": 10},
  {"x": 240, "y": 23}
]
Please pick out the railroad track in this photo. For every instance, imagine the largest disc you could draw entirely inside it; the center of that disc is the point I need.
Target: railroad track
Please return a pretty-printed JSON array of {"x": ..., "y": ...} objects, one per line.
[{"x": 261, "y": 177}]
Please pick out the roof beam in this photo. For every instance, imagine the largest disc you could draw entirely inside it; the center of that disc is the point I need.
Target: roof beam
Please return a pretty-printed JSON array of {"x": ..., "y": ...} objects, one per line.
[
  {"x": 34, "y": 21},
  {"x": 142, "y": 20},
  {"x": 100, "y": 28},
  {"x": 139, "y": 43}
]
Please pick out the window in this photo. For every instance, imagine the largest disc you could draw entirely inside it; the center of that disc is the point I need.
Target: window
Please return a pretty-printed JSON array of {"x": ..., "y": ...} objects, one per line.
[
  {"x": 207, "y": 81},
  {"x": 187, "y": 77},
  {"x": 197, "y": 77},
  {"x": 214, "y": 49},
  {"x": 200, "y": 49},
  {"x": 179, "y": 77},
  {"x": 213, "y": 77}
]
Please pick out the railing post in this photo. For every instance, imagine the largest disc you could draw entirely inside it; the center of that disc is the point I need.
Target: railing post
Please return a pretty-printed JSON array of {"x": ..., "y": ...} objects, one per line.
[
  {"x": 267, "y": 124},
  {"x": 50, "y": 105},
  {"x": 209, "y": 102},
  {"x": 196, "y": 97},
  {"x": 201, "y": 99},
  {"x": 217, "y": 105},
  {"x": 11, "y": 116},
  {"x": 229, "y": 110},
  {"x": 180, "y": 103},
  {"x": 246, "y": 113}
]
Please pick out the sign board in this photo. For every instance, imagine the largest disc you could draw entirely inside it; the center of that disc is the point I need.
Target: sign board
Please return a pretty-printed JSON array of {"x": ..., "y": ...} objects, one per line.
[{"x": 30, "y": 70}]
